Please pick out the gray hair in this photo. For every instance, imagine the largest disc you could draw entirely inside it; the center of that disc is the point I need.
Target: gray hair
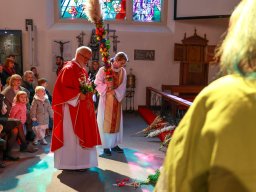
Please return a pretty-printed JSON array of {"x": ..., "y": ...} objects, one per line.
[
  {"x": 26, "y": 73},
  {"x": 238, "y": 50}
]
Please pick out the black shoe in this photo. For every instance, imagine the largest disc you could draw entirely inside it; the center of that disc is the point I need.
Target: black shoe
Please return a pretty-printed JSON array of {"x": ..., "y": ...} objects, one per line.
[
  {"x": 117, "y": 149},
  {"x": 28, "y": 148},
  {"x": 107, "y": 152},
  {"x": 2, "y": 165},
  {"x": 30, "y": 136},
  {"x": 11, "y": 158},
  {"x": 2, "y": 141}
]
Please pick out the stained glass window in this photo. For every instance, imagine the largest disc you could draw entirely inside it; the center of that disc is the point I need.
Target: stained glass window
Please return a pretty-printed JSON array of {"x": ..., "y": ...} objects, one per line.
[
  {"x": 111, "y": 9},
  {"x": 147, "y": 10}
]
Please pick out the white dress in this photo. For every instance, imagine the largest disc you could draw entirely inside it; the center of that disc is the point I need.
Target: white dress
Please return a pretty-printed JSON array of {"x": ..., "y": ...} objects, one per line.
[
  {"x": 109, "y": 140},
  {"x": 72, "y": 155}
]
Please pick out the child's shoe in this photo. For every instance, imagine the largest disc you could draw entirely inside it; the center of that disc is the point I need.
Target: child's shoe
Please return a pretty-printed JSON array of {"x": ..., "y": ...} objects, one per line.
[
  {"x": 44, "y": 142},
  {"x": 35, "y": 142}
]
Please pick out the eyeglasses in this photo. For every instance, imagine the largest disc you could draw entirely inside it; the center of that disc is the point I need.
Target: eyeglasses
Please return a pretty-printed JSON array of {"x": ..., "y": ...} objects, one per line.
[{"x": 86, "y": 58}]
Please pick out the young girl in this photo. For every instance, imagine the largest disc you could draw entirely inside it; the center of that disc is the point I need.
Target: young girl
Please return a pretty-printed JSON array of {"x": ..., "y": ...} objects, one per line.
[
  {"x": 40, "y": 111},
  {"x": 19, "y": 109}
]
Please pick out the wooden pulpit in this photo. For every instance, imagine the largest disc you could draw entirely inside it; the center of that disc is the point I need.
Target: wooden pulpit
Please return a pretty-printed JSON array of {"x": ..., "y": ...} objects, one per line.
[{"x": 194, "y": 55}]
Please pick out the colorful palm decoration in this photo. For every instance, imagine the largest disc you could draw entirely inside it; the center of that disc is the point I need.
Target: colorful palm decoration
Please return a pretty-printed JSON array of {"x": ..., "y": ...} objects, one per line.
[{"x": 94, "y": 14}]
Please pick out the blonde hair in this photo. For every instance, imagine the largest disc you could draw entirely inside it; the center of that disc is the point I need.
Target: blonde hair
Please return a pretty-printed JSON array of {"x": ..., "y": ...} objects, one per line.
[
  {"x": 14, "y": 77},
  {"x": 238, "y": 50},
  {"x": 38, "y": 88},
  {"x": 17, "y": 96}
]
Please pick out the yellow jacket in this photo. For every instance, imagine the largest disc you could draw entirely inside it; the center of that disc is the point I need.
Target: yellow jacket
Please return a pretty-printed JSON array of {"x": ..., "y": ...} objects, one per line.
[{"x": 214, "y": 147}]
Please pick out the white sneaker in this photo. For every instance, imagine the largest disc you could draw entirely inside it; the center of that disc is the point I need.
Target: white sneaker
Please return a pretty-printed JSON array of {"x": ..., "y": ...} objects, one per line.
[
  {"x": 44, "y": 142},
  {"x": 35, "y": 142}
]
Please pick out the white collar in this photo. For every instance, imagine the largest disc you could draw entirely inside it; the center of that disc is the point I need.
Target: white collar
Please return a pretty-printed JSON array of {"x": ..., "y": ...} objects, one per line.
[
  {"x": 41, "y": 99},
  {"x": 116, "y": 70}
]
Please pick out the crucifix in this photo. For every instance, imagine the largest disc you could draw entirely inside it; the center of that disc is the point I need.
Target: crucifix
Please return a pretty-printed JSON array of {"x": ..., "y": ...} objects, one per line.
[
  {"x": 80, "y": 39},
  {"x": 115, "y": 41},
  {"x": 95, "y": 46},
  {"x": 109, "y": 30},
  {"x": 61, "y": 46}
]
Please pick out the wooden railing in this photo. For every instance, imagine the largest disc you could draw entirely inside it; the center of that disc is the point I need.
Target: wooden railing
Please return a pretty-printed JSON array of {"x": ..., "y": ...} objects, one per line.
[
  {"x": 183, "y": 90},
  {"x": 172, "y": 100}
]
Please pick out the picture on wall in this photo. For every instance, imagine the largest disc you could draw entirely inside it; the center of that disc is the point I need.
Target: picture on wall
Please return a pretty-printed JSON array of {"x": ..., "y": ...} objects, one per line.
[
  {"x": 144, "y": 54},
  {"x": 11, "y": 44}
]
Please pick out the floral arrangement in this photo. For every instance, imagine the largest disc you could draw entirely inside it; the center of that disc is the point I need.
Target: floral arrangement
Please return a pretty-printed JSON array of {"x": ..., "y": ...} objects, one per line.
[
  {"x": 86, "y": 85},
  {"x": 94, "y": 15},
  {"x": 151, "y": 180}
]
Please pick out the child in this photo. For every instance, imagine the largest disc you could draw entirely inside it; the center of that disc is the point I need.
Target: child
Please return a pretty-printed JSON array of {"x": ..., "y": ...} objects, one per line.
[
  {"x": 43, "y": 82},
  {"x": 40, "y": 111},
  {"x": 19, "y": 109}
]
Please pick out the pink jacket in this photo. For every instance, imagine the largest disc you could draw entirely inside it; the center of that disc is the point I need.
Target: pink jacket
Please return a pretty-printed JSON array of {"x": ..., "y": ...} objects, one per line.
[{"x": 19, "y": 111}]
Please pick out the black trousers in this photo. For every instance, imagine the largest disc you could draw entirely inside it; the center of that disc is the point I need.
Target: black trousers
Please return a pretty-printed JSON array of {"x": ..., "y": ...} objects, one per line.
[{"x": 14, "y": 129}]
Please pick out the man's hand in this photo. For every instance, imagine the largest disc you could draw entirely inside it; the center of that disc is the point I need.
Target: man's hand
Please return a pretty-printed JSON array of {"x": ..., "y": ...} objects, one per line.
[
  {"x": 109, "y": 85},
  {"x": 82, "y": 96}
]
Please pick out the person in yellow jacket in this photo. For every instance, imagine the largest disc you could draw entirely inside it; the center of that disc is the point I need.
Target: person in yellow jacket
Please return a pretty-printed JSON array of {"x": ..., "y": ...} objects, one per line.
[{"x": 214, "y": 147}]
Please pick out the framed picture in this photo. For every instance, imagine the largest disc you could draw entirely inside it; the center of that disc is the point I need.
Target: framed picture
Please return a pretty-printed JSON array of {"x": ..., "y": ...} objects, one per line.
[
  {"x": 11, "y": 44},
  {"x": 144, "y": 55}
]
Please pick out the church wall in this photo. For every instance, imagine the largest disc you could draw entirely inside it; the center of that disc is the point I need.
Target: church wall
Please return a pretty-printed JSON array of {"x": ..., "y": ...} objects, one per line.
[{"x": 163, "y": 70}]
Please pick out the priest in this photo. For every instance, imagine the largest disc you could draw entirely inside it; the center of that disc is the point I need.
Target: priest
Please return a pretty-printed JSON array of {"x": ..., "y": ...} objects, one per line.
[{"x": 75, "y": 134}]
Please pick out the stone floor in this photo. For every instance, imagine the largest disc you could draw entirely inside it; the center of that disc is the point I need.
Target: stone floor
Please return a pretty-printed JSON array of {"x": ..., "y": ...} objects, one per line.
[{"x": 35, "y": 172}]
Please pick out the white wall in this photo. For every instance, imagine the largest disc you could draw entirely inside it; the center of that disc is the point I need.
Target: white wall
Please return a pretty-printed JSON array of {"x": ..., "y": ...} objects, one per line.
[
  {"x": 148, "y": 73},
  {"x": 189, "y": 8}
]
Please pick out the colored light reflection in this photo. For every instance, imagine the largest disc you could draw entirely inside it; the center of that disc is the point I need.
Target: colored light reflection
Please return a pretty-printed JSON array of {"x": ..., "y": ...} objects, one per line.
[
  {"x": 39, "y": 174},
  {"x": 142, "y": 160}
]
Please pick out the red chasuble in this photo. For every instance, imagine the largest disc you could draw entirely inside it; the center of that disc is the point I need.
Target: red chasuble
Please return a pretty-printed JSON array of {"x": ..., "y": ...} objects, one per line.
[{"x": 83, "y": 116}]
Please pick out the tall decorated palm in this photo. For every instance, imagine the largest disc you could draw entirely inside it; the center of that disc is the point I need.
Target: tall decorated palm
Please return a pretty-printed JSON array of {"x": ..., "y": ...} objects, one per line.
[{"x": 93, "y": 12}]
